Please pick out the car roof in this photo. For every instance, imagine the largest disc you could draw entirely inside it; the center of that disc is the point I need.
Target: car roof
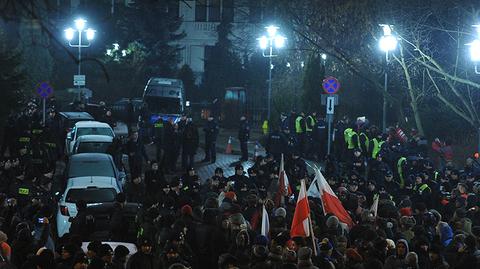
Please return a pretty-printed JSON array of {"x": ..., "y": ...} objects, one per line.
[
  {"x": 90, "y": 157},
  {"x": 96, "y": 124},
  {"x": 92, "y": 181},
  {"x": 95, "y": 138},
  {"x": 77, "y": 115}
]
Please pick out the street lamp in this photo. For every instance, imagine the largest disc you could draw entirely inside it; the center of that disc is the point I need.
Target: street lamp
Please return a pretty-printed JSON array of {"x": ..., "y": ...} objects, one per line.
[
  {"x": 388, "y": 42},
  {"x": 70, "y": 34},
  {"x": 475, "y": 49},
  {"x": 267, "y": 44}
]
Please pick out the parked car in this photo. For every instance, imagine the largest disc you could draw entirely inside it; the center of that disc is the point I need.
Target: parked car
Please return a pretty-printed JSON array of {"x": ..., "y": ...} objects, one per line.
[
  {"x": 92, "y": 144},
  {"x": 91, "y": 189},
  {"x": 96, "y": 144},
  {"x": 69, "y": 119},
  {"x": 93, "y": 165},
  {"x": 86, "y": 128}
]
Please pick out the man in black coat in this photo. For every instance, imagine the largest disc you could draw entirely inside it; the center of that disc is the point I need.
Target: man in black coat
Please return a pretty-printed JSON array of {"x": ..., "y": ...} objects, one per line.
[
  {"x": 211, "y": 133},
  {"x": 190, "y": 142},
  {"x": 243, "y": 136},
  {"x": 144, "y": 259},
  {"x": 136, "y": 154}
]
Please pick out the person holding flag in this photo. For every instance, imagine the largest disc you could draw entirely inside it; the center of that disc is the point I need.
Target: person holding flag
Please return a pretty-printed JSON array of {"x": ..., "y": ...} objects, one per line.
[
  {"x": 331, "y": 204},
  {"x": 284, "y": 189},
  {"x": 301, "y": 223}
]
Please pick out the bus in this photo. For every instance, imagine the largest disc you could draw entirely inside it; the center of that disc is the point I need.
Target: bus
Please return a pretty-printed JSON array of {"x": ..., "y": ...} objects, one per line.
[{"x": 164, "y": 98}]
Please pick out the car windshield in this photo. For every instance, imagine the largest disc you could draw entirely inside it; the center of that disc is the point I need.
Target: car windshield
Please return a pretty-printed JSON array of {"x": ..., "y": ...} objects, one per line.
[
  {"x": 163, "y": 105},
  {"x": 94, "y": 131},
  {"x": 91, "y": 195},
  {"x": 93, "y": 147},
  {"x": 86, "y": 168}
]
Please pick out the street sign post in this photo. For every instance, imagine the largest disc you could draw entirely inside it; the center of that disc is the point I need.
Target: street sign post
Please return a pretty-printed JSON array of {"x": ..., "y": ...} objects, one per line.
[
  {"x": 44, "y": 90},
  {"x": 330, "y": 86},
  {"x": 79, "y": 80}
]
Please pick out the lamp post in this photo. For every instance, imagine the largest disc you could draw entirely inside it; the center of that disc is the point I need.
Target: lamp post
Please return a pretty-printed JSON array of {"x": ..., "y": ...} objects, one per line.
[
  {"x": 267, "y": 44},
  {"x": 387, "y": 43},
  {"x": 475, "y": 57},
  {"x": 70, "y": 34}
]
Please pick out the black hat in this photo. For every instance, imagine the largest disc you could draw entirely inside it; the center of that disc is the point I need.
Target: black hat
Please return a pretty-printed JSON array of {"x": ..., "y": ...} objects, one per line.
[
  {"x": 94, "y": 246},
  {"x": 238, "y": 167},
  {"x": 105, "y": 250},
  {"x": 145, "y": 241},
  {"x": 121, "y": 251}
]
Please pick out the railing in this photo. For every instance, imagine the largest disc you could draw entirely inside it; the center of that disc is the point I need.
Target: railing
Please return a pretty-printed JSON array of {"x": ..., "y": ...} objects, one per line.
[{"x": 205, "y": 26}]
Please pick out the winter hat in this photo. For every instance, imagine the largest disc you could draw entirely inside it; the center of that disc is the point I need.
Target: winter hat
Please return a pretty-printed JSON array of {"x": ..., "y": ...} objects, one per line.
[
  {"x": 121, "y": 251},
  {"x": 230, "y": 195},
  {"x": 281, "y": 212},
  {"x": 70, "y": 249},
  {"x": 261, "y": 240},
  {"x": 406, "y": 211},
  {"x": 186, "y": 210},
  {"x": 353, "y": 255},
  {"x": 94, "y": 245},
  {"x": 332, "y": 222},
  {"x": 304, "y": 253},
  {"x": 260, "y": 251},
  {"x": 325, "y": 245},
  {"x": 105, "y": 250},
  {"x": 437, "y": 214},
  {"x": 390, "y": 243},
  {"x": 44, "y": 259}
]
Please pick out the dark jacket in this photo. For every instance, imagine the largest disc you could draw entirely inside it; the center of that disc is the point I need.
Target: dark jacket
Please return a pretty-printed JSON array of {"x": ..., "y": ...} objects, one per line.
[
  {"x": 190, "y": 138},
  {"x": 244, "y": 131},
  {"x": 140, "y": 260}
]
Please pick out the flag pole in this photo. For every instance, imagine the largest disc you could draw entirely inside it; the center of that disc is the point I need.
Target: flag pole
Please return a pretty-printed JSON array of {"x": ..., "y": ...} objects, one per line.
[{"x": 310, "y": 223}]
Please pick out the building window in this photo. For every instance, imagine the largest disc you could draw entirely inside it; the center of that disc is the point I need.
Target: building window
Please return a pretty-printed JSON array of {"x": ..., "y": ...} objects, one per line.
[
  {"x": 201, "y": 10},
  {"x": 214, "y": 10},
  {"x": 227, "y": 10}
]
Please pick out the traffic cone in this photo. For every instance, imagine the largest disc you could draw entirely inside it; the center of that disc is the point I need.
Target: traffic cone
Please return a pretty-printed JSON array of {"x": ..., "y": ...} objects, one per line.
[{"x": 228, "y": 150}]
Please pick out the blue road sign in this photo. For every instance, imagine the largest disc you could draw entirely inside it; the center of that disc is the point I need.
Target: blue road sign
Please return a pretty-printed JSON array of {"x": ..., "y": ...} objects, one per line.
[
  {"x": 331, "y": 85},
  {"x": 44, "y": 90}
]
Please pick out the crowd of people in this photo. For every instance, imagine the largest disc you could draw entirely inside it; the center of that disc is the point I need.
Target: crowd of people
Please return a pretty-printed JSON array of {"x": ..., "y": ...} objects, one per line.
[{"x": 427, "y": 214}]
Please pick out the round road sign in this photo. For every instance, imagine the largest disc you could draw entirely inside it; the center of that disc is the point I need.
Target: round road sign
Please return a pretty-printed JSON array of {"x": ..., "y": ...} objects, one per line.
[
  {"x": 331, "y": 85},
  {"x": 44, "y": 90}
]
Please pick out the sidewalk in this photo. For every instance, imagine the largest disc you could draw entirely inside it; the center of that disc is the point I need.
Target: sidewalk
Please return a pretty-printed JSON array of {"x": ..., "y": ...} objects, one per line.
[{"x": 222, "y": 141}]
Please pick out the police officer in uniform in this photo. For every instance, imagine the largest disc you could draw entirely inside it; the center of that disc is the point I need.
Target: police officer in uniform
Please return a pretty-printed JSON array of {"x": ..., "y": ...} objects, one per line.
[
  {"x": 300, "y": 132},
  {"x": 320, "y": 138},
  {"x": 310, "y": 123},
  {"x": 243, "y": 136},
  {"x": 158, "y": 133},
  {"x": 276, "y": 143},
  {"x": 211, "y": 133}
]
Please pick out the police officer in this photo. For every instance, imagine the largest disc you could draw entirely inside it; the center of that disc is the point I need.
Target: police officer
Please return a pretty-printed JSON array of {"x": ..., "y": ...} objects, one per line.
[
  {"x": 243, "y": 136},
  {"x": 320, "y": 138},
  {"x": 276, "y": 143},
  {"x": 300, "y": 131},
  {"x": 211, "y": 133},
  {"x": 158, "y": 133},
  {"x": 170, "y": 146},
  {"x": 189, "y": 143},
  {"x": 310, "y": 123}
]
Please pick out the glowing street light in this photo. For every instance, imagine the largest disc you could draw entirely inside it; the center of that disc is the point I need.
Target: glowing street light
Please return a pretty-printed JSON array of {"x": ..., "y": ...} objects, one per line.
[
  {"x": 387, "y": 43},
  {"x": 267, "y": 43},
  {"x": 80, "y": 30},
  {"x": 475, "y": 49}
]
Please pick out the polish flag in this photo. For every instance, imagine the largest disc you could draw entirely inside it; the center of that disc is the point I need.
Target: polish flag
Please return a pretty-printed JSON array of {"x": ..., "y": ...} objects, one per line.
[
  {"x": 284, "y": 188},
  {"x": 265, "y": 222},
  {"x": 300, "y": 224},
  {"x": 331, "y": 204}
]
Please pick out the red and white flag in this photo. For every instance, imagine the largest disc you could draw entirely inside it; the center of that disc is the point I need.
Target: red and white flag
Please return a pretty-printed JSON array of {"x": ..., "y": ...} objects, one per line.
[
  {"x": 331, "y": 204},
  {"x": 284, "y": 188},
  {"x": 301, "y": 223},
  {"x": 265, "y": 222}
]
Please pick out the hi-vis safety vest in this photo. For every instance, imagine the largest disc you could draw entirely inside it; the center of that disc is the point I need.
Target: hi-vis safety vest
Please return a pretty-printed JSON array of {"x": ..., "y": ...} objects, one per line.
[
  {"x": 377, "y": 146},
  {"x": 311, "y": 124},
  {"x": 349, "y": 133},
  {"x": 422, "y": 188},
  {"x": 265, "y": 127},
  {"x": 400, "y": 162},
  {"x": 298, "y": 125}
]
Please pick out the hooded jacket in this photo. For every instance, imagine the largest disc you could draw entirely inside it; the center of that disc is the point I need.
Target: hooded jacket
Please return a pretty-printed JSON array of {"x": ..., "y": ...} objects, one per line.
[{"x": 395, "y": 261}]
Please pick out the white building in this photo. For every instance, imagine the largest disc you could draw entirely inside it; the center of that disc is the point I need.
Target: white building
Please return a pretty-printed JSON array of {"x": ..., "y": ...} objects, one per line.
[{"x": 200, "y": 19}]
